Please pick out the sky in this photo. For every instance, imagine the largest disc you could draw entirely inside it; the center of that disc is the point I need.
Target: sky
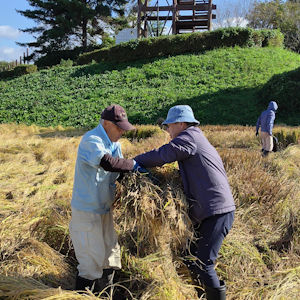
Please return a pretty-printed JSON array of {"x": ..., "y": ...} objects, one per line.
[{"x": 11, "y": 22}]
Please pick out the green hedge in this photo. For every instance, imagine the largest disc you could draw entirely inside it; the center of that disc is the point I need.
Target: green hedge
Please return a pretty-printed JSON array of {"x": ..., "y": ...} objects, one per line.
[
  {"x": 18, "y": 71},
  {"x": 54, "y": 57},
  {"x": 184, "y": 43}
]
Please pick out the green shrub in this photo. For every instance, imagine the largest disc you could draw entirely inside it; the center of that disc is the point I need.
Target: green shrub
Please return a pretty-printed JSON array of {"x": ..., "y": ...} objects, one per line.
[
  {"x": 272, "y": 38},
  {"x": 24, "y": 69},
  {"x": 5, "y": 74},
  {"x": 18, "y": 71},
  {"x": 66, "y": 63},
  {"x": 54, "y": 58},
  {"x": 184, "y": 43}
]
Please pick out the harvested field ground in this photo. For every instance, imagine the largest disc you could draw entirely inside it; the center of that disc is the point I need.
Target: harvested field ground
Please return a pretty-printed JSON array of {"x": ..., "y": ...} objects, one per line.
[{"x": 260, "y": 258}]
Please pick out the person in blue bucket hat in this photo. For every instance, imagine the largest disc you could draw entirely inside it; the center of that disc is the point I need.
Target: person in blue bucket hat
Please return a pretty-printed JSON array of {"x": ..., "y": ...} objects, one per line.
[
  {"x": 206, "y": 187},
  {"x": 181, "y": 113}
]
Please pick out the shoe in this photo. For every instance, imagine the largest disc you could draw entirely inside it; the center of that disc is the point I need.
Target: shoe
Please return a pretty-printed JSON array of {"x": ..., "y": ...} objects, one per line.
[
  {"x": 105, "y": 282},
  {"x": 100, "y": 285},
  {"x": 216, "y": 293},
  {"x": 109, "y": 274},
  {"x": 265, "y": 153},
  {"x": 82, "y": 284},
  {"x": 95, "y": 286}
]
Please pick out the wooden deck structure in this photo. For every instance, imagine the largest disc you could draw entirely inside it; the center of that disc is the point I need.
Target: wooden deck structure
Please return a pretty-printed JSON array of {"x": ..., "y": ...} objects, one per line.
[{"x": 186, "y": 16}]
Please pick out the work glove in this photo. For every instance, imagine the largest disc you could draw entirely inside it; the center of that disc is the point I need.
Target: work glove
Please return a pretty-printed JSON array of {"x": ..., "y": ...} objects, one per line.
[
  {"x": 137, "y": 168},
  {"x": 256, "y": 133}
]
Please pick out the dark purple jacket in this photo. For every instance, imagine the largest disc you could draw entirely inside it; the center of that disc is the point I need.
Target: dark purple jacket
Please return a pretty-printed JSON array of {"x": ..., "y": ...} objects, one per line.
[{"x": 204, "y": 178}]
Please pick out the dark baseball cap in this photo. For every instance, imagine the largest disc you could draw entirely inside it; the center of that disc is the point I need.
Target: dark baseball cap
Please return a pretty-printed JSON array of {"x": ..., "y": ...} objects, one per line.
[{"x": 117, "y": 115}]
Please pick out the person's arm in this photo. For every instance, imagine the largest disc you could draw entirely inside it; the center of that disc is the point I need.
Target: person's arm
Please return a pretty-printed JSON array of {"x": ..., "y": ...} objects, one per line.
[
  {"x": 177, "y": 150},
  {"x": 116, "y": 164},
  {"x": 258, "y": 124}
]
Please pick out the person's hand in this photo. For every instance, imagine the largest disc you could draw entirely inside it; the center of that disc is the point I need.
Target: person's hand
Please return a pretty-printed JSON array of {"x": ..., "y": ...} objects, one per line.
[
  {"x": 137, "y": 168},
  {"x": 256, "y": 133}
]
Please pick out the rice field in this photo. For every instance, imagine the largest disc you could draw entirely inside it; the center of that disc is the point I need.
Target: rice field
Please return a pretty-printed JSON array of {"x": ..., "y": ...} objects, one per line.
[{"x": 260, "y": 258}]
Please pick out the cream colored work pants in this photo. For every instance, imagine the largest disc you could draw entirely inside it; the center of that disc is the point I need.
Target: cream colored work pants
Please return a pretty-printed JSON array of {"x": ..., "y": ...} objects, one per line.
[
  {"x": 266, "y": 140},
  {"x": 95, "y": 243}
]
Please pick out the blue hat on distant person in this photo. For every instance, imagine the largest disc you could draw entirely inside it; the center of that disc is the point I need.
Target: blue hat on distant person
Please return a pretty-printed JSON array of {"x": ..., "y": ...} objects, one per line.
[{"x": 180, "y": 113}]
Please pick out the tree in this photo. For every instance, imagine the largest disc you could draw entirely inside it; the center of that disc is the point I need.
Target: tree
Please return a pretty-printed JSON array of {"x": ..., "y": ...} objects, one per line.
[
  {"x": 278, "y": 14},
  {"x": 65, "y": 24}
]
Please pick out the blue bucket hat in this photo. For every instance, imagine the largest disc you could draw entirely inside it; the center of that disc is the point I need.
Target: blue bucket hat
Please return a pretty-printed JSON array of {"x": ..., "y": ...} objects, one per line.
[{"x": 180, "y": 113}]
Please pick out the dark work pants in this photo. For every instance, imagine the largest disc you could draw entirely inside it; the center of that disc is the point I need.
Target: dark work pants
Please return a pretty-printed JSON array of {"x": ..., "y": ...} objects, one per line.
[{"x": 210, "y": 234}]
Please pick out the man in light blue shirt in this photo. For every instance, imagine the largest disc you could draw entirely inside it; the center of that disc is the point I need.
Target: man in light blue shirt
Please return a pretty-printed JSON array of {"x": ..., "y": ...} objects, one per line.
[{"x": 91, "y": 227}]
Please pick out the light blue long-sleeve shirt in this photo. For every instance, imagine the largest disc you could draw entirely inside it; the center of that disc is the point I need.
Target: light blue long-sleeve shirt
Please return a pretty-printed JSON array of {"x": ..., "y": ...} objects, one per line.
[{"x": 94, "y": 188}]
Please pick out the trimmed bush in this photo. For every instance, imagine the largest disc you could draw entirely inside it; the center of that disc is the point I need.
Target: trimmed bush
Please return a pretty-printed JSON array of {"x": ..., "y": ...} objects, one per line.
[
  {"x": 184, "y": 43},
  {"x": 54, "y": 58},
  {"x": 24, "y": 69},
  {"x": 18, "y": 71},
  {"x": 6, "y": 74}
]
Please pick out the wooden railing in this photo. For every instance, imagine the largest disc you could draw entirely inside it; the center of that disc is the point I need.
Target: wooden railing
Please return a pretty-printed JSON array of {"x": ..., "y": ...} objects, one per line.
[{"x": 21, "y": 61}]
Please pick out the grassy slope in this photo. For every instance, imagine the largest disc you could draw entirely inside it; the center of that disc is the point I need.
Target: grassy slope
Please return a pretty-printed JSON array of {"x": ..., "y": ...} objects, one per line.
[{"x": 221, "y": 86}]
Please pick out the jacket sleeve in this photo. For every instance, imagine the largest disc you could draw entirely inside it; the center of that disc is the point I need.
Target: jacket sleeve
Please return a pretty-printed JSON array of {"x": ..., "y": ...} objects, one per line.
[
  {"x": 270, "y": 121},
  {"x": 116, "y": 164},
  {"x": 258, "y": 123},
  {"x": 177, "y": 150},
  {"x": 91, "y": 150}
]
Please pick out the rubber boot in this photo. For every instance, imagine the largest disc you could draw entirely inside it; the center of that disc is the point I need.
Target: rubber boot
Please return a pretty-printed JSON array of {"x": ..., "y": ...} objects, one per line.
[
  {"x": 100, "y": 285},
  {"x": 109, "y": 274},
  {"x": 216, "y": 293},
  {"x": 95, "y": 286},
  {"x": 83, "y": 283},
  {"x": 265, "y": 153},
  {"x": 105, "y": 281}
]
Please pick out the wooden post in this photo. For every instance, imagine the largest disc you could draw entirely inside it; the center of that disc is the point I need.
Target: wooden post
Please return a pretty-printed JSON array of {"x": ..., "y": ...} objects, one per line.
[
  {"x": 27, "y": 54},
  {"x": 157, "y": 20},
  {"x": 145, "y": 32},
  {"x": 20, "y": 60},
  {"x": 209, "y": 15},
  {"x": 139, "y": 31},
  {"x": 194, "y": 19},
  {"x": 174, "y": 16}
]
